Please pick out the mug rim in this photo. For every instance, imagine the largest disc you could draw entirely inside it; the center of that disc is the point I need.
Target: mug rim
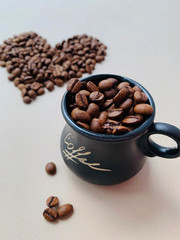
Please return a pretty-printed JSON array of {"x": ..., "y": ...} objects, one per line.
[{"x": 106, "y": 137}]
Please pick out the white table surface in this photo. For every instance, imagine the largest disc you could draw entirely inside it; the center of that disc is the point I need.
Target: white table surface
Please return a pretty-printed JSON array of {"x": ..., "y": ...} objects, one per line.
[{"x": 143, "y": 44}]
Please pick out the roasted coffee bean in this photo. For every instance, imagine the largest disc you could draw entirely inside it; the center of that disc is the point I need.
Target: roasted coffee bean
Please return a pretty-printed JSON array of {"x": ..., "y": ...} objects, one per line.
[
  {"x": 16, "y": 72},
  {"x": 118, "y": 130},
  {"x": 52, "y": 201},
  {"x": 115, "y": 113},
  {"x": 112, "y": 123},
  {"x": 74, "y": 85},
  {"x": 32, "y": 94},
  {"x": 126, "y": 104},
  {"x": 27, "y": 99},
  {"x": 97, "y": 97},
  {"x": 110, "y": 93},
  {"x": 58, "y": 82},
  {"x": 103, "y": 116},
  {"x": 65, "y": 210},
  {"x": 113, "y": 106},
  {"x": 21, "y": 86},
  {"x": 107, "y": 104},
  {"x": 91, "y": 87},
  {"x": 143, "y": 109},
  {"x": 81, "y": 100},
  {"x": 49, "y": 85},
  {"x": 136, "y": 88},
  {"x": 140, "y": 97},
  {"x": 11, "y": 77},
  {"x": 40, "y": 91},
  {"x": 84, "y": 125},
  {"x": 23, "y": 92},
  {"x": 85, "y": 92},
  {"x": 132, "y": 120},
  {"x": 122, "y": 85},
  {"x": 2, "y": 63},
  {"x": 80, "y": 115},
  {"x": 93, "y": 110},
  {"x": 105, "y": 85},
  {"x": 121, "y": 95},
  {"x": 50, "y": 214},
  {"x": 95, "y": 125},
  {"x": 113, "y": 80},
  {"x": 50, "y": 168}
]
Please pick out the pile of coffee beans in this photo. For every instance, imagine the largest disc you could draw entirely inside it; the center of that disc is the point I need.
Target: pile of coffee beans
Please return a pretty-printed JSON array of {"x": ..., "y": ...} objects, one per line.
[
  {"x": 34, "y": 65},
  {"x": 110, "y": 107},
  {"x": 54, "y": 211}
]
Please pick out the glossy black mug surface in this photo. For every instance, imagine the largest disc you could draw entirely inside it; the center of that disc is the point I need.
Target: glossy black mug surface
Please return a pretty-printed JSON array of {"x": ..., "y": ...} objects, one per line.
[{"x": 107, "y": 159}]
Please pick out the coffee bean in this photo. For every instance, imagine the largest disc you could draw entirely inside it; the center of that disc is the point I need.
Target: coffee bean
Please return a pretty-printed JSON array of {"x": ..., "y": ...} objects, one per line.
[
  {"x": 143, "y": 109},
  {"x": 97, "y": 97},
  {"x": 27, "y": 99},
  {"x": 103, "y": 117},
  {"x": 105, "y": 85},
  {"x": 81, "y": 100},
  {"x": 93, "y": 110},
  {"x": 107, "y": 104},
  {"x": 95, "y": 125},
  {"x": 80, "y": 115},
  {"x": 92, "y": 87},
  {"x": 136, "y": 88},
  {"x": 110, "y": 93},
  {"x": 65, "y": 210},
  {"x": 126, "y": 104},
  {"x": 74, "y": 85},
  {"x": 50, "y": 214},
  {"x": 49, "y": 85},
  {"x": 115, "y": 113},
  {"x": 121, "y": 95},
  {"x": 16, "y": 72},
  {"x": 2, "y": 63},
  {"x": 118, "y": 130},
  {"x": 11, "y": 77},
  {"x": 52, "y": 201},
  {"x": 32, "y": 94},
  {"x": 21, "y": 86},
  {"x": 113, "y": 80},
  {"x": 58, "y": 82},
  {"x": 122, "y": 85},
  {"x": 85, "y": 92},
  {"x": 140, "y": 97},
  {"x": 84, "y": 125},
  {"x": 132, "y": 120},
  {"x": 40, "y": 91},
  {"x": 50, "y": 168}
]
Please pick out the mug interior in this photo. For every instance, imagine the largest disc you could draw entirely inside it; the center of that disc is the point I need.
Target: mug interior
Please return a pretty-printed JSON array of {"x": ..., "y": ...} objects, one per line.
[{"x": 66, "y": 101}]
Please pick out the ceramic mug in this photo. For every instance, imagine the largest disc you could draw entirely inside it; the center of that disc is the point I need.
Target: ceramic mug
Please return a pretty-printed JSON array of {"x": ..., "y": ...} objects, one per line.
[{"x": 107, "y": 159}]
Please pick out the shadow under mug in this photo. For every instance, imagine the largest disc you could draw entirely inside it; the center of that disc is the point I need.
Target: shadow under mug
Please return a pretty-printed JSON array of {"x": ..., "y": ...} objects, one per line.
[{"x": 107, "y": 159}]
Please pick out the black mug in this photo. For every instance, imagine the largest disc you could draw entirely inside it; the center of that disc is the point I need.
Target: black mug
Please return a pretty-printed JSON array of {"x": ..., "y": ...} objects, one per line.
[{"x": 107, "y": 159}]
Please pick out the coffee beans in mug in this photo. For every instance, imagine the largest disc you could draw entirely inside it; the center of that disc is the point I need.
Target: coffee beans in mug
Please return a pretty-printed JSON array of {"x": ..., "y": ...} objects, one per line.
[{"x": 108, "y": 107}]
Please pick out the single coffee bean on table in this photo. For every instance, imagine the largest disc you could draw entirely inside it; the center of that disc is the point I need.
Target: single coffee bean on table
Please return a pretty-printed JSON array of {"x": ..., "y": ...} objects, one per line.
[
  {"x": 31, "y": 61},
  {"x": 108, "y": 107},
  {"x": 50, "y": 168}
]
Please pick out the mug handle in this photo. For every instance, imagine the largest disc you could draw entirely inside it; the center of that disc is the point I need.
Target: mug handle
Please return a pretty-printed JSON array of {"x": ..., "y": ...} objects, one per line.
[{"x": 153, "y": 149}]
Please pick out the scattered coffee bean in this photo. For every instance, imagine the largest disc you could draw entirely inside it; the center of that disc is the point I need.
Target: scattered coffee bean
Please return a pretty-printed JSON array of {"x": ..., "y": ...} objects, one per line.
[
  {"x": 50, "y": 214},
  {"x": 65, "y": 210},
  {"x": 52, "y": 201},
  {"x": 93, "y": 110},
  {"x": 50, "y": 168},
  {"x": 31, "y": 59}
]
